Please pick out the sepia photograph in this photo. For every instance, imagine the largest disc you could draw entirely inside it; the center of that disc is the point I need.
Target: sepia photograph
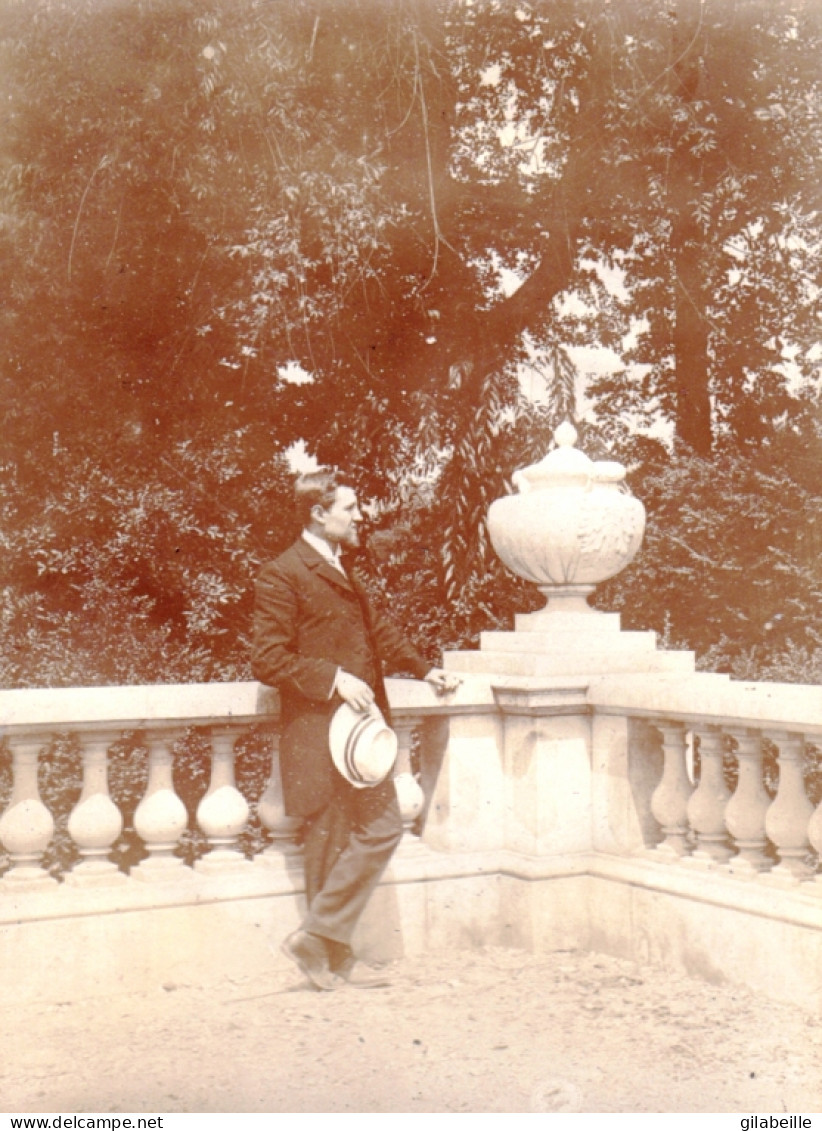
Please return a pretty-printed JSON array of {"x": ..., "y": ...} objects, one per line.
[{"x": 410, "y": 560}]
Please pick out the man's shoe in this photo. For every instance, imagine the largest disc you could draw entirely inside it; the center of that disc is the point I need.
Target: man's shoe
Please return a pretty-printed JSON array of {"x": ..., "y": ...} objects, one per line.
[
  {"x": 357, "y": 974},
  {"x": 310, "y": 954}
]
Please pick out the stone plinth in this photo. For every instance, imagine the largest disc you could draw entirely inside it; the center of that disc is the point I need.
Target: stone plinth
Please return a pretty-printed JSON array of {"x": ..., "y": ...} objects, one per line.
[{"x": 549, "y": 643}]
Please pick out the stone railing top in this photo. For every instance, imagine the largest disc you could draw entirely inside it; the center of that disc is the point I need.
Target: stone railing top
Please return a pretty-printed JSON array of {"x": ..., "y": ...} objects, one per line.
[
  {"x": 712, "y": 699},
  {"x": 705, "y": 697},
  {"x": 150, "y": 706},
  {"x": 135, "y": 706}
]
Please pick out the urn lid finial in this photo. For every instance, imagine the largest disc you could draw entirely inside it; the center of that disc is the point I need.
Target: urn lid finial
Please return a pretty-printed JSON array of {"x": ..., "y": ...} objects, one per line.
[
  {"x": 564, "y": 466},
  {"x": 565, "y": 436}
]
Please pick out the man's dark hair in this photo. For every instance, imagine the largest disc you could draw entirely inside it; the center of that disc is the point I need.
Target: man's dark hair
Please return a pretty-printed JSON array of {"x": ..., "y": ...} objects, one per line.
[{"x": 315, "y": 488}]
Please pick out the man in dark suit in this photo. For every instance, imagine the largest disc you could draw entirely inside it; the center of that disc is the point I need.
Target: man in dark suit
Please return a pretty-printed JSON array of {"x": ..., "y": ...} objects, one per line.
[{"x": 318, "y": 640}]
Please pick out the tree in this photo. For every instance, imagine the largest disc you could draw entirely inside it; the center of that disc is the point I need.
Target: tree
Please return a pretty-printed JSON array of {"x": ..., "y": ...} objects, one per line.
[
  {"x": 199, "y": 194},
  {"x": 730, "y": 566},
  {"x": 329, "y": 181},
  {"x": 739, "y": 187}
]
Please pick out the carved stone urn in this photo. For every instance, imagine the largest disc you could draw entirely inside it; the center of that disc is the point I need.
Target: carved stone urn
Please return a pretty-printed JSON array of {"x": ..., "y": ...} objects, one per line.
[{"x": 571, "y": 525}]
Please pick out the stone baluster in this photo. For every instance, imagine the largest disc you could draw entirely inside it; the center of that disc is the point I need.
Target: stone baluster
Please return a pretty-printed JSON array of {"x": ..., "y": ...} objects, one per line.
[
  {"x": 790, "y": 812},
  {"x": 706, "y": 807},
  {"x": 161, "y": 818},
  {"x": 26, "y": 827},
  {"x": 815, "y": 837},
  {"x": 409, "y": 792},
  {"x": 95, "y": 821},
  {"x": 669, "y": 801},
  {"x": 271, "y": 810},
  {"x": 223, "y": 812},
  {"x": 745, "y": 812}
]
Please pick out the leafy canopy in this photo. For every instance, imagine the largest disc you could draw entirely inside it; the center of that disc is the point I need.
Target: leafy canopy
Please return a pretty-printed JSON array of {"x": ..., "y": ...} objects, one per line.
[{"x": 200, "y": 199}]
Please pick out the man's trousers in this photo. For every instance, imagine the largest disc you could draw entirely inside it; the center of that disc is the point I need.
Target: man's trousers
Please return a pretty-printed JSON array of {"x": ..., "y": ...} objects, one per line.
[{"x": 347, "y": 845}]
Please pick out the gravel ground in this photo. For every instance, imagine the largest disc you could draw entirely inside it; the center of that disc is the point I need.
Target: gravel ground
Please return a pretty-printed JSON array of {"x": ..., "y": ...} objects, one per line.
[{"x": 494, "y": 1030}]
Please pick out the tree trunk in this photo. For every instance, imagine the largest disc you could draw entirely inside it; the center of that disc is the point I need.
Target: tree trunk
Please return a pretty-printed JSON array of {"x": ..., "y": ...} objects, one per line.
[
  {"x": 692, "y": 378},
  {"x": 692, "y": 373}
]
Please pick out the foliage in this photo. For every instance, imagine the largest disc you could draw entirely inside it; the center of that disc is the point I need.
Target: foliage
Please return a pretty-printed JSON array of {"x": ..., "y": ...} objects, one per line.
[
  {"x": 198, "y": 195},
  {"x": 112, "y": 578},
  {"x": 730, "y": 565}
]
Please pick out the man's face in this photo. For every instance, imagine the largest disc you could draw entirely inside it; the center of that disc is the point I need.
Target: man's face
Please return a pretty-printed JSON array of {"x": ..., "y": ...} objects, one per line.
[{"x": 341, "y": 520}]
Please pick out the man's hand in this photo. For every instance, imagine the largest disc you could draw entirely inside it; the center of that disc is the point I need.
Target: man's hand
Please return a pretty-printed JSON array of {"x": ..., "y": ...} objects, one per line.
[
  {"x": 354, "y": 691},
  {"x": 443, "y": 681}
]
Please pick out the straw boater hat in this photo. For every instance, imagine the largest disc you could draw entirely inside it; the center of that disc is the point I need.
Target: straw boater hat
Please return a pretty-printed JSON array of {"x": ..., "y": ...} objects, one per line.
[{"x": 363, "y": 747}]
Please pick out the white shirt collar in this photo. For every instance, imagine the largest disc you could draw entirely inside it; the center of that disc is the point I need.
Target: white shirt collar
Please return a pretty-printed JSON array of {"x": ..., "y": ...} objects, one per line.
[{"x": 324, "y": 549}]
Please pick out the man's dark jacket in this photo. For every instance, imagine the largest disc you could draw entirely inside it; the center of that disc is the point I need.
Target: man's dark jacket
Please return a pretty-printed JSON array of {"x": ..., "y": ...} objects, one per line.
[{"x": 309, "y": 621}]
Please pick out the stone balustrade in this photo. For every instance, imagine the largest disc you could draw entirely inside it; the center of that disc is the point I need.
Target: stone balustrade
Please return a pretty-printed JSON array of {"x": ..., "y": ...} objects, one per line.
[
  {"x": 665, "y": 815},
  {"x": 711, "y": 803},
  {"x": 715, "y": 804},
  {"x": 98, "y": 718}
]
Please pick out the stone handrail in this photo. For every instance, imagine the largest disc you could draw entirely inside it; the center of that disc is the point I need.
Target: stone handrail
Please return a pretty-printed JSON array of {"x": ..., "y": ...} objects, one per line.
[
  {"x": 134, "y": 707},
  {"x": 712, "y": 698}
]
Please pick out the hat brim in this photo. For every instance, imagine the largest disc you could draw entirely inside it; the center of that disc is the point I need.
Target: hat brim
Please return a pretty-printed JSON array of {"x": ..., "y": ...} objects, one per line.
[{"x": 363, "y": 747}]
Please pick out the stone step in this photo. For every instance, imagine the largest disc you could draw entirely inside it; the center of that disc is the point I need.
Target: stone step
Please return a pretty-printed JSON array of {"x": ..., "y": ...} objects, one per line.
[
  {"x": 566, "y": 641},
  {"x": 578, "y": 662},
  {"x": 545, "y": 620}
]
